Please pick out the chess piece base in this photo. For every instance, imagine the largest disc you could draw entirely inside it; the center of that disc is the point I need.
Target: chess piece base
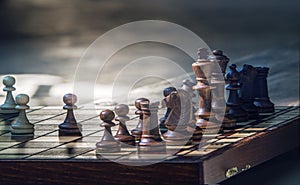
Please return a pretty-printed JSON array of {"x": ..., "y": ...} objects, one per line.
[
  {"x": 69, "y": 129},
  {"x": 210, "y": 127},
  {"x": 229, "y": 125},
  {"x": 227, "y": 121},
  {"x": 69, "y": 132},
  {"x": 237, "y": 113},
  {"x": 136, "y": 133},
  {"x": 9, "y": 111},
  {"x": 251, "y": 110},
  {"x": 126, "y": 140},
  {"x": 264, "y": 105},
  {"x": 175, "y": 137},
  {"x": 150, "y": 145},
  {"x": 22, "y": 130},
  {"x": 107, "y": 146}
]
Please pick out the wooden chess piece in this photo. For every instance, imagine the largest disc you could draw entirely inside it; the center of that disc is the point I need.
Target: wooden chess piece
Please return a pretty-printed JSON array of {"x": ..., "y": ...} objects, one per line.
[
  {"x": 8, "y": 107},
  {"x": 166, "y": 92},
  {"x": 122, "y": 134},
  {"x": 179, "y": 118},
  {"x": 203, "y": 53},
  {"x": 205, "y": 117},
  {"x": 137, "y": 132},
  {"x": 220, "y": 62},
  {"x": 149, "y": 142},
  {"x": 187, "y": 86},
  {"x": 247, "y": 77},
  {"x": 262, "y": 100},
  {"x": 108, "y": 142},
  {"x": 234, "y": 102},
  {"x": 70, "y": 125},
  {"x": 153, "y": 107},
  {"x": 22, "y": 124}
]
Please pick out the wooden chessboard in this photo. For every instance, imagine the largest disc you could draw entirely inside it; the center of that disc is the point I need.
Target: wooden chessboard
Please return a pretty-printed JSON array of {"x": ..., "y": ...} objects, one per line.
[{"x": 46, "y": 158}]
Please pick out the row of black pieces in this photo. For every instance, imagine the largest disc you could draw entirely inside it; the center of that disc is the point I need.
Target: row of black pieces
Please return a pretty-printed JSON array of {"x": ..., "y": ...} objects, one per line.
[{"x": 248, "y": 92}]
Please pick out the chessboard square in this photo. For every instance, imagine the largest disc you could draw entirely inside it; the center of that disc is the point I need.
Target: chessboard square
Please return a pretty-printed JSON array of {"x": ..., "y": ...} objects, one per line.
[
  {"x": 274, "y": 121},
  {"x": 51, "y": 121},
  {"x": 35, "y": 144},
  {"x": 114, "y": 155},
  {"x": 141, "y": 157},
  {"x": 265, "y": 114},
  {"x": 86, "y": 157},
  {"x": 37, "y": 117},
  {"x": 184, "y": 152},
  {"x": 265, "y": 125},
  {"x": 4, "y": 128},
  {"x": 241, "y": 135},
  {"x": 4, "y": 132},
  {"x": 39, "y": 133},
  {"x": 47, "y": 112},
  {"x": 180, "y": 146},
  {"x": 62, "y": 152},
  {"x": 241, "y": 124},
  {"x": 254, "y": 129},
  {"x": 293, "y": 114},
  {"x": 7, "y": 144},
  {"x": 47, "y": 157},
  {"x": 286, "y": 116},
  {"x": 199, "y": 152},
  {"x": 87, "y": 132},
  {"x": 215, "y": 146},
  {"x": 12, "y": 156},
  {"x": 210, "y": 140},
  {"x": 94, "y": 127},
  {"x": 77, "y": 145},
  {"x": 280, "y": 107},
  {"x": 228, "y": 140},
  {"x": 206, "y": 135},
  {"x": 21, "y": 151},
  {"x": 52, "y": 108},
  {"x": 45, "y": 127},
  {"x": 18, "y": 138},
  {"x": 57, "y": 139}
]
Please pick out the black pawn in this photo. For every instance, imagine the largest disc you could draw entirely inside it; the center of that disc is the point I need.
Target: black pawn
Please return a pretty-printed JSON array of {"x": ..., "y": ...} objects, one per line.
[
  {"x": 149, "y": 142},
  {"x": 123, "y": 135},
  {"x": 108, "y": 142},
  {"x": 234, "y": 103},
  {"x": 166, "y": 92},
  {"x": 247, "y": 77},
  {"x": 137, "y": 132},
  {"x": 262, "y": 100},
  {"x": 70, "y": 125}
]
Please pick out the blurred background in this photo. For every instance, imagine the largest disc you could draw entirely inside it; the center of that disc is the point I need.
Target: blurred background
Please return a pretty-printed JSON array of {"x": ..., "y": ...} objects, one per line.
[{"x": 41, "y": 42}]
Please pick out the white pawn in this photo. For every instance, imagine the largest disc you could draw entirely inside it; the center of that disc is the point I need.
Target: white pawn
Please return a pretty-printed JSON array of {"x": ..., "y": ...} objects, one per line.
[
  {"x": 9, "y": 104},
  {"x": 22, "y": 124}
]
